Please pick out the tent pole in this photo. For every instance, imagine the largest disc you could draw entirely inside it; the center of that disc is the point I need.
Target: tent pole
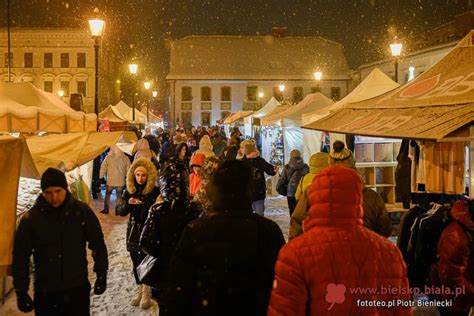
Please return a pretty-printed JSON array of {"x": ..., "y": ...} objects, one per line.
[{"x": 471, "y": 163}]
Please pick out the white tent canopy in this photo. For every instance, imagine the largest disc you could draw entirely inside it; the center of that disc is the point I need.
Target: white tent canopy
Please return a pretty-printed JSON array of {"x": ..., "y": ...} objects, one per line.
[
  {"x": 376, "y": 83},
  {"x": 27, "y": 109},
  {"x": 121, "y": 113}
]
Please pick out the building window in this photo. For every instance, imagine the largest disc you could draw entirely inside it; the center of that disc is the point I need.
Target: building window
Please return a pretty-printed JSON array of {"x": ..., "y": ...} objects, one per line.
[
  {"x": 64, "y": 60},
  {"x": 65, "y": 87},
  {"x": 315, "y": 89},
  {"x": 252, "y": 92},
  {"x": 335, "y": 93},
  {"x": 206, "y": 118},
  {"x": 225, "y": 94},
  {"x": 6, "y": 60},
  {"x": 186, "y": 106},
  {"x": 206, "y": 106},
  {"x": 297, "y": 94},
  {"x": 277, "y": 94},
  {"x": 227, "y": 106},
  {"x": 28, "y": 60},
  {"x": 186, "y": 94},
  {"x": 48, "y": 86},
  {"x": 81, "y": 60},
  {"x": 48, "y": 60},
  {"x": 186, "y": 118},
  {"x": 81, "y": 87},
  {"x": 205, "y": 93}
]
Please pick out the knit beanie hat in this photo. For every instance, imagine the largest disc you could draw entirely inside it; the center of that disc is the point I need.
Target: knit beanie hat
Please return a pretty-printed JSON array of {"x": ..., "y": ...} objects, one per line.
[
  {"x": 53, "y": 177},
  {"x": 140, "y": 168},
  {"x": 248, "y": 146},
  {"x": 341, "y": 155}
]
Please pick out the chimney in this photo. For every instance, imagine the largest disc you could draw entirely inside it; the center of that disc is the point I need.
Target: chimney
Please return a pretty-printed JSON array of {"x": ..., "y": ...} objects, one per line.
[{"x": 279, "y": 31}]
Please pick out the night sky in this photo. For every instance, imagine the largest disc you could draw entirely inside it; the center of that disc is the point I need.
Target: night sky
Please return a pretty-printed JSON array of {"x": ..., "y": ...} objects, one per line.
[{"x": 364, "y": 27}]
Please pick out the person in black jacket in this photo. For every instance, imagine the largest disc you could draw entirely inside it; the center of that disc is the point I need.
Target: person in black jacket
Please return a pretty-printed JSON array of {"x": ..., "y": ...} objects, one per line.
[
  {"x": 56, "y": 231},
  {"x": 260, "y": 166},
  {"x": 141, "y": 193},
  {"x": 223, "y": 264},
  {"x": 167, "y": 219}
]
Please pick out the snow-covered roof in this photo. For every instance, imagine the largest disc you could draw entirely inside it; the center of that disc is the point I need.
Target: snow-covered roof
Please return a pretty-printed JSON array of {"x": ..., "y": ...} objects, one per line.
[{"x": 255, "y": 58}]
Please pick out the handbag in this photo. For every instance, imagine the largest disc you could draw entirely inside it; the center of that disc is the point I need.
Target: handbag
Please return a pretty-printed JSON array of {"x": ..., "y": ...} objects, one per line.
[{"x": 148, "y": 271}]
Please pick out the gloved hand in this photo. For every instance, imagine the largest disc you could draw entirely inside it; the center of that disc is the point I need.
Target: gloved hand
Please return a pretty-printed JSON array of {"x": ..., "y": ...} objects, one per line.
[
  {"x": 24, "y": 302},
  {"x": 100, "y": 284}
]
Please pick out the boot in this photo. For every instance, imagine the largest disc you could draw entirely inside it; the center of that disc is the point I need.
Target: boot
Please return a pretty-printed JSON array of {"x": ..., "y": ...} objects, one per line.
[
  {"x": 145, "y": 302},
  {"x": 136, "y": 300}
]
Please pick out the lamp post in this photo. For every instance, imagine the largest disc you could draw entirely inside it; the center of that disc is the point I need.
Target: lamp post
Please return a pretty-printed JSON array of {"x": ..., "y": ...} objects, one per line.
[
  {"x": 281, "y": 87},
  {"x": 147, "y": 85},
  {"x": 396, "y": 49},
  {"x": 133, "y": 68},
  {"x": 96, "y": 27},
  {"x": 260, "y": 98}
]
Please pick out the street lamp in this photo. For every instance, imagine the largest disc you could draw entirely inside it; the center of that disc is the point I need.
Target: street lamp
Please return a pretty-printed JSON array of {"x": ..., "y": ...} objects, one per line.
[
  {"x": 154, "y": 94},
  {"x": 260, "y": 98},
  {"x": 96, "y": 27},
  {"x": 61, "y": 94},
  {"x": 133, "y": 68},
  {"x": 396, "y": 49},
  {"x": 317, "y": 76},
  {"x": 147, "y": 85}
]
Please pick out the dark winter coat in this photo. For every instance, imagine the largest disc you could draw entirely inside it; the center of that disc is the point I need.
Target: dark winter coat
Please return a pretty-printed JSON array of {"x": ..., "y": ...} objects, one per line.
[
  {"x": 260, "y": 167},
  {"x": 455, "y": 268},
  {"x": 336, "y": 249},
  {"x": 138, "y": 212},
  {"x": 168, "y": 217},
  {"x": 291, "y": 175},
  {"x": 154, "y": 143},
  {"x": 225, "y": 260},
  {"x": 230, "y": 152},
  {"x": 57, "y": 238}
]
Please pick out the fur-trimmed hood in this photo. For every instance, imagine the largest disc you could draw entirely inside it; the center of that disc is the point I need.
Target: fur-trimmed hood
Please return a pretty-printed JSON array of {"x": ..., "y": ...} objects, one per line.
[{"x": 152, "y": 175}]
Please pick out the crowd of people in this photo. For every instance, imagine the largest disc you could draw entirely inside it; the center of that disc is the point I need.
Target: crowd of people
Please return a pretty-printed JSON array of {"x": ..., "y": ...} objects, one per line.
[{"x": 200, "y": 244}]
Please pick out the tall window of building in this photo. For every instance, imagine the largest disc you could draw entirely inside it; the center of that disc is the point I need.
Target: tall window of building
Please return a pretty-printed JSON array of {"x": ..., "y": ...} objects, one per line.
[
  {"x": 6, "y": 60},
  {"x": 206, "y": 93},
  {"x": 28, "y": 60},
  {"x": 65, "y": 87},
  {"x": 81, "y": 60},
  {"x": 81, "y": 87},
  {"x": 186, "y": 118},
  {"x": 186, "y": 94},
  {"x": 252, "y": 92},
  {"x": 277, "y": 94},
  {"x": 206, "y": 118},
  {"x": 48, "y": 86},
  {"x": 335, "y": 93},
  {"x": 315, "y": 89},
  {"x": 225, "y": 94},
  {"x": 48, "y": 60},
  {"x": 297, "y": 94},
  {"x": 64, "y": 60}
]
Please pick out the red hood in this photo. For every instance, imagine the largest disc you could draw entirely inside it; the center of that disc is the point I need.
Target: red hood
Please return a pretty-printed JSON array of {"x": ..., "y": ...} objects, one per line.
[
  {"x": 460, "y": 213},
  {"x": 335, "y": 198}
]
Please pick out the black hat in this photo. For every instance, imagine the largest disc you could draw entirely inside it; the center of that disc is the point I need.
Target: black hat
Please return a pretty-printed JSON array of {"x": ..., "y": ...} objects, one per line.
[{"x": 53, "y": 177}]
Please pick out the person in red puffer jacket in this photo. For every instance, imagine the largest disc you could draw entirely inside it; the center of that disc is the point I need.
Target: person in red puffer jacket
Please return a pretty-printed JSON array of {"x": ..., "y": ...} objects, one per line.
[
  {"x": 319, "y": 272},
  {"x": 455, "y": 268}
]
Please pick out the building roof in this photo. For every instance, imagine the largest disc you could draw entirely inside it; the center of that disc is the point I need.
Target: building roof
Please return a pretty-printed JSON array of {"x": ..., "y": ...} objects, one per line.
[{"x": 256, "y": 58}]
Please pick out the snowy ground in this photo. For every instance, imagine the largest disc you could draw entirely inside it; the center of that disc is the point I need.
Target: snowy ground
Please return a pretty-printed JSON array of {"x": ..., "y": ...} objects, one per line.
[{"x": 120, "y": 283}]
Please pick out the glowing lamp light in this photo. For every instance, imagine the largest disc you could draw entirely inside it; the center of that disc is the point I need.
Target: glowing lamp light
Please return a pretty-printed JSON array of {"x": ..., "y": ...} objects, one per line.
[
  {"x": 396, "y": 49},
  {"x": 281, "y": 87},
  {"x": 154, "y": 94},
  {"x": 411, "y": 73},
  {"x": 260, "y": 95},
  {"x": 61, "y": 93},
  {"x": 318, "y": 75},
  {"x": 133, "y": 68},
  {"x": 97, "y": 27},
  {"x": 147, "y": 85}
]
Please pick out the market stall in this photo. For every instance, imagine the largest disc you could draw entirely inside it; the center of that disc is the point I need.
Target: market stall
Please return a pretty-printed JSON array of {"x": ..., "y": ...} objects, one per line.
[
  {"x": 253, "y": 120},
  {"x": 435, "y": 108},
  {"x": 289, "y": 121},
  {"x": 373, "y": 85}
]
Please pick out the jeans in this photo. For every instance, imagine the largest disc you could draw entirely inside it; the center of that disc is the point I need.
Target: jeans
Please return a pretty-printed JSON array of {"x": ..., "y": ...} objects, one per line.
[
  {"x": 259, "y": 207},
  {"x": 118, "y": 193},
  {"x": 74, "y": 301}
]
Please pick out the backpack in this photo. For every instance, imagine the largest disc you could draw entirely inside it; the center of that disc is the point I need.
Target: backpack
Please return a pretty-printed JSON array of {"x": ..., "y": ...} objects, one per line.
[{"x": 282, "y": 186}]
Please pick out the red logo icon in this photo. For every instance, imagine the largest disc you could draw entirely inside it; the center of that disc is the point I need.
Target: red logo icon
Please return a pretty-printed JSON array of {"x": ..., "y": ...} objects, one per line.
[{"x": 335, "y": 294}]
